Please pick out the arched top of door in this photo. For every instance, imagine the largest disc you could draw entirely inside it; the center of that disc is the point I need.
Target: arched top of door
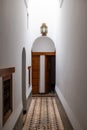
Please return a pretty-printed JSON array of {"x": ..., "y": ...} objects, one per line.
[{"x": 43, "y": 44}]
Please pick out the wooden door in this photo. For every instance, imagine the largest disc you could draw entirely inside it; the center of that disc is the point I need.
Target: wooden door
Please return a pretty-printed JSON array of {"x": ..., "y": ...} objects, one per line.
[
  {"x": 47, "y": 74},
  {"x": 35, "y": 73}
]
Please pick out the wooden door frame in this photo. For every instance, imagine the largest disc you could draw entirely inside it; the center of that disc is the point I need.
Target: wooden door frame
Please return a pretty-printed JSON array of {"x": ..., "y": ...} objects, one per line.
[
  {"x": 35, "y": 74},
  {"x": 45, "y": 54}
]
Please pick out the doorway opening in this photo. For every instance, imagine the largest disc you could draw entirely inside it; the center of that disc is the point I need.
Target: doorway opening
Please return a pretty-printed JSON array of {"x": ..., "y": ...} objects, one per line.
[
  {"x": 43, "y": 65},
  {"x": 50, "y": 74},
  {"x": 43, "y": 72}
]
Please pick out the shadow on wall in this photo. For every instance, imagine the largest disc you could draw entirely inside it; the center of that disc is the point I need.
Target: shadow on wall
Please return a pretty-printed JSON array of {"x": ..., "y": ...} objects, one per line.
[{"x": 24, "y": 80}]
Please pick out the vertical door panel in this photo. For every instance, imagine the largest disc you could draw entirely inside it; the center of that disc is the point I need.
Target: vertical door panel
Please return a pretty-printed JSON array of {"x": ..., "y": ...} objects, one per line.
[{"x": 35, "y": 74}]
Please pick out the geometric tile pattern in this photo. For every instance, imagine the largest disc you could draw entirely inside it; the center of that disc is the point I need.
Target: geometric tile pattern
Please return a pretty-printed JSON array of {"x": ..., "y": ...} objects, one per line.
[{"x": 43, "y": 114}]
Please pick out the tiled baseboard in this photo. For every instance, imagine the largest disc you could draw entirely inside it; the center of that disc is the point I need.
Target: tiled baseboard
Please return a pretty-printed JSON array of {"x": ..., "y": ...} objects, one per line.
[
  {"x": 29, "y": 100},
  {"x": 65, "y": 119},
  {"x": 69, "y": 112},
  {"x": 19, "y": 123}
]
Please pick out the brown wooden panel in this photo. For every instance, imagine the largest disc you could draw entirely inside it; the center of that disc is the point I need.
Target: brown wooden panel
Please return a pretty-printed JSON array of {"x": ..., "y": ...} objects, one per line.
[
  {"x": 35, "y": 89},
  {"x": 7, "y": 97},
  {"x": 35, "y": 82},
  {"x": 35, "y": 74},
  {"x": 7, "y": 107},
  {"x": 6, "y": 71},
  {"x": 34, "y": 60},
  {"x": 43, "y": 53},
  {"x": 35, "y": 67}
]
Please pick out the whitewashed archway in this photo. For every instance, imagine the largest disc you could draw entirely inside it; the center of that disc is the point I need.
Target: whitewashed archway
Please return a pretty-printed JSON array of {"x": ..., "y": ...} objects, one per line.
[{"x": 43, "y": 46}]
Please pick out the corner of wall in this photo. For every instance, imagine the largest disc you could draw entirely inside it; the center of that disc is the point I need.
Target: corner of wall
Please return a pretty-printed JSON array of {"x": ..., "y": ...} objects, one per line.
[
  {"x": 28, "y": 92},
  {"x": 68, "y": 110}
]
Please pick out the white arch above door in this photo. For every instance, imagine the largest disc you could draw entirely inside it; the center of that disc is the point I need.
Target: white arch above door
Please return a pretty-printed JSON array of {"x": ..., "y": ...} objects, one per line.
[{"x": 43, "y": 44}]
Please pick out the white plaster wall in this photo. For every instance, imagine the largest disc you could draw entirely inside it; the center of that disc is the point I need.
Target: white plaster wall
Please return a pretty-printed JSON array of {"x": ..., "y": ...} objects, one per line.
[
  {"x": 0, "y": 29},
  {"x": 15, "y": 36},
  {"x": 0, "y": 79},
  {"x": 42, "y": 11},
  {"x": 42, "y": 74},
  {"x": 71, "y": 63}
]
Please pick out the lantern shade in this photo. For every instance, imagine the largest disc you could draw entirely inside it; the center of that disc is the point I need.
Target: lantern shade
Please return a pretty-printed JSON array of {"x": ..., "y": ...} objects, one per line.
[{"x": 44, "y": 29}]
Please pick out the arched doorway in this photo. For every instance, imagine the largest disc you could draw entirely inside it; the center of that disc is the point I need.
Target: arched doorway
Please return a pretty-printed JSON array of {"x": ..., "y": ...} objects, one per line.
[
  {"x": 43, "y": 65},
  {"x": 24, "y": 80}
]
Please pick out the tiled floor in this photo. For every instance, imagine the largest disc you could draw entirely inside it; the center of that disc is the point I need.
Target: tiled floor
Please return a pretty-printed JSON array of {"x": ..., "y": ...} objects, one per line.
[
  {"x": 46, "y": 113},
  {"x": 43, "y": 114}
]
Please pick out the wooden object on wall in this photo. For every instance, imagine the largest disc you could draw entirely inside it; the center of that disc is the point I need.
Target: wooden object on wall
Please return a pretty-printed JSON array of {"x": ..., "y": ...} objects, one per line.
[
  {"x": 7, "y": 109},
  {"x": 7, "y": 71},
  {"x": 35, "y": 74}
]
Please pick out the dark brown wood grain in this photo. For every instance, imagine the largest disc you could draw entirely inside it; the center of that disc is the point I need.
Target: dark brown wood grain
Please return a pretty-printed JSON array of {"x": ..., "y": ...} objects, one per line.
[
  {"x": 6, "y": 116},
  {"x": 35, "y": 74},
  {"x": 6, "y": 74},
  {"x": 44, "y": 53},
  {"x": 6, "y": 71}
]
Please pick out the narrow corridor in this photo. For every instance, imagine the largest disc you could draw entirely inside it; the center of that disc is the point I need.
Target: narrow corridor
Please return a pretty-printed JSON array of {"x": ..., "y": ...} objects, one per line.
[
  {"x": 26, "y": 55},
  {"x": 44, "y": 114}
]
